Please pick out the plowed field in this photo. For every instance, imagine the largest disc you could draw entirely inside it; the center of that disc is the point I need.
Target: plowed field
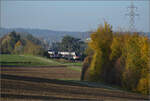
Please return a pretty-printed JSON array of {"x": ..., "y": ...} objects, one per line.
[{"x": 51, "y": 83}]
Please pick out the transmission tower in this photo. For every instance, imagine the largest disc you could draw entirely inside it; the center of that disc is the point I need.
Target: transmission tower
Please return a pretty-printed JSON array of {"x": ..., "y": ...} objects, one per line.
[{"x": 132, "y": 14}]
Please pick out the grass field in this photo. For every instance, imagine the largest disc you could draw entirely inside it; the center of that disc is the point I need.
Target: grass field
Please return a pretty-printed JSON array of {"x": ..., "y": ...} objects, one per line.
[
  {"x": 75, "y": 68},
  {"x": 26, "y": 60},
  {"x": 69, "y": 63}
]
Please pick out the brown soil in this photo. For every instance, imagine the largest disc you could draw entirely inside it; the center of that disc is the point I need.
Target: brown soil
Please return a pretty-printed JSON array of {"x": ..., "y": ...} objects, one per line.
[
  {"x": 42, "y": 84},
  {"x": 52, "y": 72}
]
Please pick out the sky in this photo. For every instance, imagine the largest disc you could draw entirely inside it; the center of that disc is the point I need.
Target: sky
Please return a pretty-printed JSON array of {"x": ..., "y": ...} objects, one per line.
[{"x": 72, "y": 15}]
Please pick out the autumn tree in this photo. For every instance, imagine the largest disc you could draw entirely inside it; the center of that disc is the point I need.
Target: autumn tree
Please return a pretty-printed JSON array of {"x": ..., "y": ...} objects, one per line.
[
  {"x": 18, "y": 47},
  {"x": 100, "y": 43},
  {"x": 121, "y": 59}
]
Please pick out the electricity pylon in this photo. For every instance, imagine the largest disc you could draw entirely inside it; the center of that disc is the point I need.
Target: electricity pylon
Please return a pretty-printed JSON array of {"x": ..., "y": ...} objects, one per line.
[{"x": 132, "y": 14}]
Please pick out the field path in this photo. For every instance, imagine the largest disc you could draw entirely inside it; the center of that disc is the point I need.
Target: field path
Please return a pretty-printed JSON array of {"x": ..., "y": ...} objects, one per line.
[{"x": 48, "y": 84}]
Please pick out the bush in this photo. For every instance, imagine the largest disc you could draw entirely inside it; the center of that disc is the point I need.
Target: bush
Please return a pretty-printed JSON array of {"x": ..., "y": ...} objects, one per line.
[{"x": 86, "y": 65}]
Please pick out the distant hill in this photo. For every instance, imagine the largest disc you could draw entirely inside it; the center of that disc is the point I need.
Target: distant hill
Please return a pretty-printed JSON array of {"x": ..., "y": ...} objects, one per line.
[
  {"x": 21, "y": 43},
  {"x": 47, "y": 35}
]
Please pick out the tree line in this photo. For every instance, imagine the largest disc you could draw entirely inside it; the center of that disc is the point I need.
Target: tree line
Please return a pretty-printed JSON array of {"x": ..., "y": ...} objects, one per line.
[
  {"x": 17, "y": 43},
  {"x": 70, "y": 44},
  {"x": 117, "y": 58}
]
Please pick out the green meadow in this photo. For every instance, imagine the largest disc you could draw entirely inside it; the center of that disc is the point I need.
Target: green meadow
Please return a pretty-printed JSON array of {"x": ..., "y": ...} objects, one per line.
[{"x": 26, "y": 60}]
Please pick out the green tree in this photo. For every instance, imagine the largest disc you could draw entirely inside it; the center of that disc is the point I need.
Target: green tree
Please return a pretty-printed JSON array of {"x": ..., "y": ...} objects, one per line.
[{"x": 69, "y": 44}]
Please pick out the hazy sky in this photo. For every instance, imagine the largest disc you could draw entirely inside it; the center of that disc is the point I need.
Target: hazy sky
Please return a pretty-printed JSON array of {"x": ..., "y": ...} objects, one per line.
[{"x": 72, "y": 15}]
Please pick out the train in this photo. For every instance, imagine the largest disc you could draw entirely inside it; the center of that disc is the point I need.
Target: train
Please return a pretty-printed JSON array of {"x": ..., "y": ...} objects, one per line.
[{"x": 64, "y": 55}]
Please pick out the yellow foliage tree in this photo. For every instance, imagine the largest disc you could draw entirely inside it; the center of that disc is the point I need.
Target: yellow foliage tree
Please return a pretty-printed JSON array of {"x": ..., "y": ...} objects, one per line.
[
  {"x": 100, "y": 43},
  {"x": 18, "y": 47},
  {"x": 18, "y": 44},
  {"x": 122, "y": 59},
  {"x": 144, "y": 82}
]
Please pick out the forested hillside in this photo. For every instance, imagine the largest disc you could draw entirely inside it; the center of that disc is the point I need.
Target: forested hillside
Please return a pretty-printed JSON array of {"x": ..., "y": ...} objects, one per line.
[{"x": 21, "y": 43}]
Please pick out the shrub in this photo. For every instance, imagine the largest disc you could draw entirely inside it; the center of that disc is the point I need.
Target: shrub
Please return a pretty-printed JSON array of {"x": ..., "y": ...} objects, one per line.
[{"x": 86, "y": 65}]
